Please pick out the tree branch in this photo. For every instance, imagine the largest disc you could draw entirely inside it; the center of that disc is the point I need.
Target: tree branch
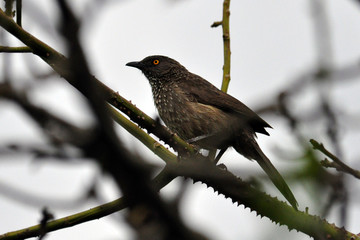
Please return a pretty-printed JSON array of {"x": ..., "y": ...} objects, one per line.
[{"x": 242, "y": 193}]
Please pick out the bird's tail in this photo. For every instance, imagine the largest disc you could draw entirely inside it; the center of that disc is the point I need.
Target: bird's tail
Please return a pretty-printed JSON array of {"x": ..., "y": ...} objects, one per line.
[
  {"x": 276, "y": 178},
  {"x": 249, "y": 148}
]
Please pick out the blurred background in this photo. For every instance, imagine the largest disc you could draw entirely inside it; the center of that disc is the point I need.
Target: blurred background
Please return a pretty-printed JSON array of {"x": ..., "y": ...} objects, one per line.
[{"x": 294, "y": 62}]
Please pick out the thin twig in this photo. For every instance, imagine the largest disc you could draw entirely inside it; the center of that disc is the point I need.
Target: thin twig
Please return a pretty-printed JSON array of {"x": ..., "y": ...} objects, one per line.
[
  {"x": 9, "y": 7},
  {"x": 341, "y": 166},
  {"x": 19, "y": 12},
  {"x": 225, "y": 23},
  {"x": 24, "y": 49},
  {"x": 47, "y": 121},
  {"x": 226, "y": 38}
]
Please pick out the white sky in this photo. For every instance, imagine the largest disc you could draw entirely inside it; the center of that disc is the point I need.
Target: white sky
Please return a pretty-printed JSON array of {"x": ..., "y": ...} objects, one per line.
[{"x": 271, "y": 41}]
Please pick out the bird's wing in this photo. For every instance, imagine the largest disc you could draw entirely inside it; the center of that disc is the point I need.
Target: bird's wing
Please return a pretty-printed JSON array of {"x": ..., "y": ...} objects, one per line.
[{"x": 204, "y": 92}]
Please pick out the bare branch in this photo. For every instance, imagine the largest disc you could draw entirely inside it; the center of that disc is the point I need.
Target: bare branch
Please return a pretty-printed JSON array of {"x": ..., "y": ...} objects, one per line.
[{"x": 338, "y": 164}]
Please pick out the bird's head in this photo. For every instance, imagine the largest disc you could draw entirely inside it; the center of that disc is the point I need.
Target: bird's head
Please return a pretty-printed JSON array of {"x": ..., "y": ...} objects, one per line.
[{"x": 157, "y": 67}]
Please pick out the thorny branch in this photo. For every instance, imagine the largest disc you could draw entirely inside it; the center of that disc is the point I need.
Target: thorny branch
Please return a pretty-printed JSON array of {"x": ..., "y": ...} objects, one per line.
[{"x": 224, "y": 183}]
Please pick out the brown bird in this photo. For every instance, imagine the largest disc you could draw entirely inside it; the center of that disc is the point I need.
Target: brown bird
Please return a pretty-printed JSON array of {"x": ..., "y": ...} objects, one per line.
[{"x": 203, "y": 115}]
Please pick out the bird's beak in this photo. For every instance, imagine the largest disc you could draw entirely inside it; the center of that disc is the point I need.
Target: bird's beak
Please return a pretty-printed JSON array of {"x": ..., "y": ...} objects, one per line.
[{"x": 134, "y": 64}]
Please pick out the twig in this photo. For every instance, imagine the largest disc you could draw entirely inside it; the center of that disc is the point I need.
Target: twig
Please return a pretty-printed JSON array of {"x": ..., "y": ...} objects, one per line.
[
  {"x": 226, "y": 38},
  {"x": 19, "y": 12},
  {"x": 225, "y": 23},
  {"x": 46, "y": 216},
  {"x": 68, "y": 221},
  {"x": 15, "y": 49},
  {"x": 227, "y": 52},
  {"x": 216, "y": 24},
  {"x": 47, "y": 121},
  {"x": 338, "y": 164},
  {"x": 9, "y": 7}
]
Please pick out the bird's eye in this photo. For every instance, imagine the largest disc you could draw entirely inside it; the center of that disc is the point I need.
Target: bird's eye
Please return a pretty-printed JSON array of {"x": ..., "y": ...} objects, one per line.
[{"x": 156, "y": 62}]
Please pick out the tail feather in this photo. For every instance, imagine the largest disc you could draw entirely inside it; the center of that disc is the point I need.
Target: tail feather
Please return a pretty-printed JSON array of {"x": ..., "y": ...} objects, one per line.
[
  {"x": 246, "y": 145},
  {"x": 276, "y": 178}
]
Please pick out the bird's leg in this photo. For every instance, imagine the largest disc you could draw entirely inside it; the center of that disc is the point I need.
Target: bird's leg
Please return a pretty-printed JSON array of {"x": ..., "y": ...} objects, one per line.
[
  {"x": 222, "y": 151},
  {"x": 212, "y": 151}
]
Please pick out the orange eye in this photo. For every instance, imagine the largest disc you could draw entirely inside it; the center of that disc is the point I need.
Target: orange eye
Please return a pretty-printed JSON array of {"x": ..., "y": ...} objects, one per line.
[{"x": 156, "y": 62}]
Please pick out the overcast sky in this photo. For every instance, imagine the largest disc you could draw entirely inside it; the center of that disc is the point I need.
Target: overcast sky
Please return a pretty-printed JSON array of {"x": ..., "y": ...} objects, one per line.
[{"x": 272, "y": 42}]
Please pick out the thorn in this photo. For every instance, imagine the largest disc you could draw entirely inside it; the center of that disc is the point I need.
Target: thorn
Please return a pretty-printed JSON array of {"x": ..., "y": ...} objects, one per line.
[{"x": 216, "y": 24}]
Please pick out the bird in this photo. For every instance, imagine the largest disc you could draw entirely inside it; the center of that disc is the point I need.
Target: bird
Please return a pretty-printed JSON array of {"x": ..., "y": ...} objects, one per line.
[{"x": 205, "y": 116}]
